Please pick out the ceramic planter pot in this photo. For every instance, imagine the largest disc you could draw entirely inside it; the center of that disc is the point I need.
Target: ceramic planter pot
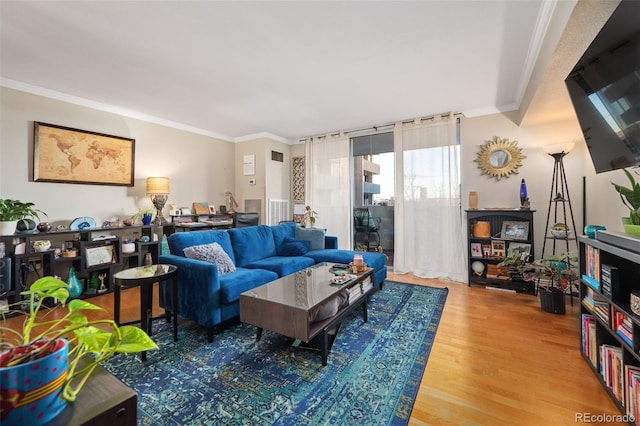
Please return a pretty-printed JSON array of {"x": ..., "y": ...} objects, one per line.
[{"x": 31, "y": 393}]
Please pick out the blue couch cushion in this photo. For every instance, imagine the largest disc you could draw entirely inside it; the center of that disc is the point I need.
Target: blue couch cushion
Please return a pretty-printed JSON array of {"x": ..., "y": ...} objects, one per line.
[
  {"x": 314, "y": 235},
  {"x": 181, "y": 240},
  {"x": 373, "y": 260},
  {"x": 282, "y": 231},
  {"x": 252, "y": 243},
  {"x": 282, "y": 265},
  {"x": 293, "y": 247},
  {"x": 212, "y": 253},
  {"x": 232, "y": 285}
]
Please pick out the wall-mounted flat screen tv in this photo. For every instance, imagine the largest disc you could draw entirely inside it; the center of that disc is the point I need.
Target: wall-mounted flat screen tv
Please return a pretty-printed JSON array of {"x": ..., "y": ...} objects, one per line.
[{"x": 604, "y": 88}]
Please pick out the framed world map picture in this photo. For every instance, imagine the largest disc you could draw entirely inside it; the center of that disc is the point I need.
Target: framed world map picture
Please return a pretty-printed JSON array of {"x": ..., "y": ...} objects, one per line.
[{"x": 63, "y": 154}]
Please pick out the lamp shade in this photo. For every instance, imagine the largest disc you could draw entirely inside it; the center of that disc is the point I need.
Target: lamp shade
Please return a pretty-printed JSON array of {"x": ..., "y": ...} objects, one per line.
[
  {"x": 558, "y": 148},
  {"x": 157, "y": 186}
]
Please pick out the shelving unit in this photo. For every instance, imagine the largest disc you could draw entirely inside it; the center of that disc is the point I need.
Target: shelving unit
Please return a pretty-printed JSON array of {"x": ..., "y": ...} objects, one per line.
[
  {"x": 610, "y": 332},
  {"x": 487, "y": 262},
  {"x": 99, "y": 251}
]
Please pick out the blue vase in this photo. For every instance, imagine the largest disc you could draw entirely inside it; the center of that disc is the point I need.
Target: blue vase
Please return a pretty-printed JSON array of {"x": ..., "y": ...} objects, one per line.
[
  {"x": 74, "y": 286},
  {"x": 146, "y": 219}
]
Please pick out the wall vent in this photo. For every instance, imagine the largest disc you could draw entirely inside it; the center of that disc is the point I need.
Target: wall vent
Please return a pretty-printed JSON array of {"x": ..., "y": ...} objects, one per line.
[{"x": 278, "y": 211}]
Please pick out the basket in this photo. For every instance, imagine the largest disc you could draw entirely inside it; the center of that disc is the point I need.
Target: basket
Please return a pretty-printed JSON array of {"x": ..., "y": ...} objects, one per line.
[{"x": 552, "y": 300}]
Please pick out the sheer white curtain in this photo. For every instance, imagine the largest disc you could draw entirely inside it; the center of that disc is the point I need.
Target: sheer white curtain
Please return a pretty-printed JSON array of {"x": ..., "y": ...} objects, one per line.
[
  {"x": 429, "y": 239},
  {"x": 329, "y": 182}
]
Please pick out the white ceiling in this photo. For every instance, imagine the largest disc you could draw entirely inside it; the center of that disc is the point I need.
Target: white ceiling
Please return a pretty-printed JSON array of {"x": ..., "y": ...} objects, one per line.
[{"x": 286, "y": 69}]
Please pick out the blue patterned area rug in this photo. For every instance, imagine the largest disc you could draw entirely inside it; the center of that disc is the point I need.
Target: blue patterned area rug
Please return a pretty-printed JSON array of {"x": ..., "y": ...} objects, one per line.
[{"x": 372, "y": 377}]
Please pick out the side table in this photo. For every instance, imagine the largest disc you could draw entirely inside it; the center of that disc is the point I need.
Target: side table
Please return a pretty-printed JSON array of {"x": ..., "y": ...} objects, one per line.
[{"x": 144, "y": 277}]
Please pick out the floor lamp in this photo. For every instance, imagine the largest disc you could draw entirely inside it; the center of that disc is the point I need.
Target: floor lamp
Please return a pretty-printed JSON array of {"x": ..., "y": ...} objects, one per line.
[{"x": 158, "y": 191}]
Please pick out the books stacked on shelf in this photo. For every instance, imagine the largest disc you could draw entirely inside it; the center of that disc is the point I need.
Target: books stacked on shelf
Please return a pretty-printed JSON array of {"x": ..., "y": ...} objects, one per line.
[
  {"x": 591, "y": 274},
  {"x": 498, "y": 272},
  {"x": 596, "y": 304},
  {"x": 356, "y": 291},
  {"x": 612, "y": 371},
  {"x": 623, "y": 325},
  {"x": 589, "y": 347},
  {"x": 632, "y": 400}
]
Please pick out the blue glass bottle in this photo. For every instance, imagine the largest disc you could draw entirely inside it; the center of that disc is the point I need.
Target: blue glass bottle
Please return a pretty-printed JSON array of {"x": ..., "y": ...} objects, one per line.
[
  {"x": 74, "y": 286},
  {"x": 523, "y": 192}
]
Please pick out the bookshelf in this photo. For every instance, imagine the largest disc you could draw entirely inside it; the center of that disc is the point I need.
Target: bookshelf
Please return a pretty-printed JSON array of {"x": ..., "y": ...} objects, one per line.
[
  {"x": 491, "y": 236},
  {"x": 98, "y": 253},
  {"x": 610, "y": 329}
]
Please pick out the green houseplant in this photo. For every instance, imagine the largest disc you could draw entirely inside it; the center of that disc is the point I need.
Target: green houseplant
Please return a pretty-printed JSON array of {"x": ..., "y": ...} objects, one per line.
[
  {"x": 11, "y": 211},
  {"x": 630, "y": 197},
  {"x": 89, "y": 341}
]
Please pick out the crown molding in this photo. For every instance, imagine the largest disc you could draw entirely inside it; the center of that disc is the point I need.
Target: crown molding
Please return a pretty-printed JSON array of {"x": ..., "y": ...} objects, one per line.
[
  {"x": 263, "y": 135},
  {"x": 48, "y": 93}
]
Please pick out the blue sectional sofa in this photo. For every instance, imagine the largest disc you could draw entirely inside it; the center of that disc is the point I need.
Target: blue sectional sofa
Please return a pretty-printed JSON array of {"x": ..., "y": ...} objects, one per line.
[{"x": 209, "y": 294}]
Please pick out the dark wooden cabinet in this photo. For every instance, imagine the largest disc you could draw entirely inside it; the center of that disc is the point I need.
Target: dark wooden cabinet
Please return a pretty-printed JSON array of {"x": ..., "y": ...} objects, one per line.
[
  {"x": 610, "y": 324},
  {"x": 491, "y": 236}
]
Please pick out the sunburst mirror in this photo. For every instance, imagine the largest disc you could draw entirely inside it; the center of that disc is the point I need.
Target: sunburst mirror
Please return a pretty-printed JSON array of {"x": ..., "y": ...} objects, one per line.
[{"x": 499, "y": 158}]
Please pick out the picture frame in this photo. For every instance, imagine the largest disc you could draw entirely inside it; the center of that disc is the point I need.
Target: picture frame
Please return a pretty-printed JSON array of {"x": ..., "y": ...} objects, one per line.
[
  {"x": 486, "y": 250},
  {"x": 498, "y": 248},
  {"x": 519, "y": 250},
  {"x": 514, "y": 230},
  {"x": 67, "y": 155},
  {"x": 212, "y": 209},
  {"x": 100, "y": 255},
  {"x": 200, "y": 207},
  {"x": 476, "y": 250}
]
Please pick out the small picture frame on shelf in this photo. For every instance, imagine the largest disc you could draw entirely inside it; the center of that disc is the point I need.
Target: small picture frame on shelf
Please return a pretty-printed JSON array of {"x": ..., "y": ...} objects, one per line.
[
  {"x": 476, "y": 250},
  {"x": 519, "y": 250},
  {"x": 513, "y": 230},
  {"x": 486, "y": 250},
  {"x": 498, "y": 248},
  {"x": 100, "y": 255},
  {"x": 212, "y": 209}
]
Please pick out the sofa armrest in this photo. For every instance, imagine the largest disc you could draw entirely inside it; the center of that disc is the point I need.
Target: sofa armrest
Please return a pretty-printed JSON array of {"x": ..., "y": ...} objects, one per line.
[
  {"x": 198, "y": 290},
  {"x": 330, "y": 242}
]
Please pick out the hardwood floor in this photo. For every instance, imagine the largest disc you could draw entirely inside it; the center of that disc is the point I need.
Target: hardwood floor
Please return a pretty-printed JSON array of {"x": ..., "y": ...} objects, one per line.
[{"x": 497, "y": 359}]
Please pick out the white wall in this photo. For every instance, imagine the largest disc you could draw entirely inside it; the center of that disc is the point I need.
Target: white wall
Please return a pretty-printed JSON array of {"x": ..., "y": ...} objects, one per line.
[
  {"x": 201, "y": 168},
  {"x": 603, "y": 203}
]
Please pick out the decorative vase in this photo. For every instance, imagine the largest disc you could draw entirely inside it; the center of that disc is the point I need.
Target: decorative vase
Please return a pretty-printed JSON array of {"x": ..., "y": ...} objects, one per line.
[
  {"x": 26, "y": 226},
  {"x": 31, "y": 393},
  {"x": 74, "y": 286},
  {"x": 473, "y": 200},
  {"x": 146, "y": 218},
  {"x": 44, "y": 227}
]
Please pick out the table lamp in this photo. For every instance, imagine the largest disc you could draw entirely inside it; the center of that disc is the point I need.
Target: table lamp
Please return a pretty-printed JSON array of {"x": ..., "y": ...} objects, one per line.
[{"x": 158, "y": 190}]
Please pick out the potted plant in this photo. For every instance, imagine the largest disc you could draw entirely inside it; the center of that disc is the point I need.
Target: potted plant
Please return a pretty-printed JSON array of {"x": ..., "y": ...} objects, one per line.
[
  {"x": 11, "y": 211},
  {"x": 553, "y": 276},
  {"x": 630, "y": 198},
  {"x": 144, "y": 215},
  {"x": 309, "y": 217},
  {"x": 76, "y": 343}
]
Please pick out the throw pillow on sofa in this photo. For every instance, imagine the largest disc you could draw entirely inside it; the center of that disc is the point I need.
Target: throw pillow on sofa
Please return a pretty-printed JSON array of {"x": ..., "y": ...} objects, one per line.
[
  {"x": 212, "y": 253},
  {"x": 314, "y": 235},
  {"x": 293, "y": 247}
]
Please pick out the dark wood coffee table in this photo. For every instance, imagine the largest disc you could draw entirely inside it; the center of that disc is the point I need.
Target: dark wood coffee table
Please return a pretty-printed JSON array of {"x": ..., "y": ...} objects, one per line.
[{"x": 284, "y": 306}]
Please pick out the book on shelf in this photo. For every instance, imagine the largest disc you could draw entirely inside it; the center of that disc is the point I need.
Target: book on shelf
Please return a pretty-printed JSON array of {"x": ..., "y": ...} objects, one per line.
[
  {"x": 589, "y": 338},
  {"x": 632, "y": 394},
  {"x": 612, "y": 370},
  {"x": 609, "y": 280}
]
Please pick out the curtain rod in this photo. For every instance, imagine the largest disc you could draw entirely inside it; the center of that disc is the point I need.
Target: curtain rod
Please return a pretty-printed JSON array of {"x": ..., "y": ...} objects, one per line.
[{"x": 379, "y": 126}]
